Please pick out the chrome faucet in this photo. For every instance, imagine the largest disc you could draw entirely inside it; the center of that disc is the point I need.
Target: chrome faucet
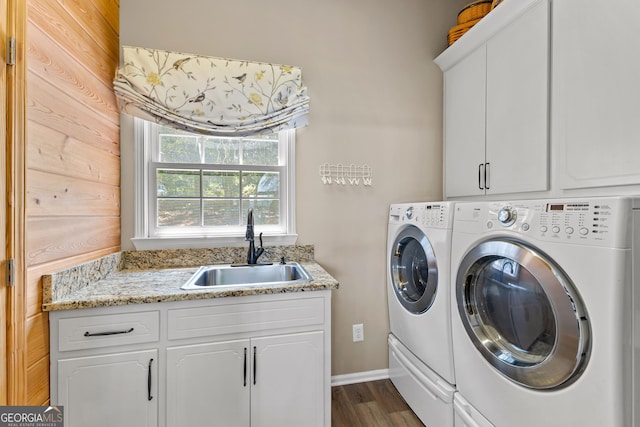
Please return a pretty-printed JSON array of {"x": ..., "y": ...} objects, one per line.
[{"x": 254, "y": 254}]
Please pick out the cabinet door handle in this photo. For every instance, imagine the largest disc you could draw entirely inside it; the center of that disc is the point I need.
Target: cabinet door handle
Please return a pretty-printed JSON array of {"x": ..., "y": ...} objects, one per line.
[
  {"x": 480, "y": 173},
  {"x": 487, "y": 175},
  {"x": 255, "y": 365},
  {"x": 149, "y": 397},
  {"x": 245, "y": 366},
  {"x": 98, "y": 334}
]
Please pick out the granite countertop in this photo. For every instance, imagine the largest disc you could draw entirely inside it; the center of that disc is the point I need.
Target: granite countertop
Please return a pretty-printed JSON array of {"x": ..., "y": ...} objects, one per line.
[{"x": 140, "y": 277}]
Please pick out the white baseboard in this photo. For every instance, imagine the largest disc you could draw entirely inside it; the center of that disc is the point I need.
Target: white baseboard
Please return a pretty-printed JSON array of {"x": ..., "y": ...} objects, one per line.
[{"x": 359, "y": 377}]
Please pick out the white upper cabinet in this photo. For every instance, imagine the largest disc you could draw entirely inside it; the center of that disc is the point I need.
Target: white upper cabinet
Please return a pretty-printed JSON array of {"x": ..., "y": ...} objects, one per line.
[
  {"x": 464, "y": 125},
  {"x": 517, "y": 132},
  {"x": 497, "y": 103},
  {"x": 596, "y": 93}
]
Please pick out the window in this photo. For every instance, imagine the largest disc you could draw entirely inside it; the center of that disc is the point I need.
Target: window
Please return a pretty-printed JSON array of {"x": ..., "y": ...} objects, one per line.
[{"x": 198, "y": 189}]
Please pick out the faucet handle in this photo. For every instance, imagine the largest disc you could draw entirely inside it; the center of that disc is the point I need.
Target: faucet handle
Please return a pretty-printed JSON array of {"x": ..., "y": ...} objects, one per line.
[{"x": 260, "y": 249}]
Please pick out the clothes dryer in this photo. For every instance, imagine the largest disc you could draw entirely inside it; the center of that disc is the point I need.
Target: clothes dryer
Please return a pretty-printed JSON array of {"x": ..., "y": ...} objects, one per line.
[
  {"x": 418, "y": 269},
  {"x": 545, "y": 297}
]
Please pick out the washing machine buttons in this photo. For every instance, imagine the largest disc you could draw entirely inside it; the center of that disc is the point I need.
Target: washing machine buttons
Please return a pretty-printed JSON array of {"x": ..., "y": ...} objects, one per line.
[
  {"x": 507, "y": 216},
  {"x": 555, "y": 229},
  {"x": 525, "y": 227},
  {"x": 568, "y": 230},
  {"x": 584, "y": 231},
  {"x": 544, "y": 228}
]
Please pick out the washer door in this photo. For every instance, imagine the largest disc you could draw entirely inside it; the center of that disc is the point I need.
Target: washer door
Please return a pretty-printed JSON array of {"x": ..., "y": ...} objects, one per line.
[
  {"x": 523, "y": 314},
  {"x": 414, "y": 272}
]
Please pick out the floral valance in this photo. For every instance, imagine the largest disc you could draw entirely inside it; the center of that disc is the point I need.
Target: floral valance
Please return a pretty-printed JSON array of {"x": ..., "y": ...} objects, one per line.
[{"x": 204, "y": 94}]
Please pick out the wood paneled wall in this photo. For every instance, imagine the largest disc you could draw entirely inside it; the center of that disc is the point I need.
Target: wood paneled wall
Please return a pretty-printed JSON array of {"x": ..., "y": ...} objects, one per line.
[{"x": 73, "y": 154}]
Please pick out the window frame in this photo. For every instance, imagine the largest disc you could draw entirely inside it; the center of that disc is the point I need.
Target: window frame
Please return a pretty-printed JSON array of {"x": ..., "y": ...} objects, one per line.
[{"x": 148, "y": 236}]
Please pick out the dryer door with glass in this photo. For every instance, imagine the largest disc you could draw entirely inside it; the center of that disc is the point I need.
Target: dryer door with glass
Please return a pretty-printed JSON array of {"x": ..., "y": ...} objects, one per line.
[
  {"x": 414, "y": 272},
  {"x": 523, "y": 314}
]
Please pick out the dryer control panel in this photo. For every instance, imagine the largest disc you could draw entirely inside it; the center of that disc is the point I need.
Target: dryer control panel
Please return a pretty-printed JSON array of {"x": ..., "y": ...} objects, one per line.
[{"x": 597, "y": 221}]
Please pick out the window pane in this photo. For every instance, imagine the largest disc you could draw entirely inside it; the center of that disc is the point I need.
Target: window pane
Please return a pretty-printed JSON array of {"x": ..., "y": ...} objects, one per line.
[
  {"x": 222, "y": 151},
  {"x": 178, "y": 212},
  {"x": 265, "y": 211},
  {"x": 221, "y": 184},
  {"x": 261, "y": 184},
  {"x": 209, "y": 183},
  {"x": 178, "y": 183},
  {"x": 260, "y": 152},
  {"x": 221, "y": 212},
  {"x": 178, "y": 148}
]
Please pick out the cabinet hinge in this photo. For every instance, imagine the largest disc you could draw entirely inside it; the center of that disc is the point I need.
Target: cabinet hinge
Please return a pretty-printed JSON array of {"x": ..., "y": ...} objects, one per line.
[
  {"x": 11, "y": 51},
  {"x": 10, "y": 272}
]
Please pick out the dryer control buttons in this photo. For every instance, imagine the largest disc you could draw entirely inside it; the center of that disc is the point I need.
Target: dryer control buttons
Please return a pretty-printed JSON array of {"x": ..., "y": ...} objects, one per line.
[
  {"x": 525, "y": 227},
  {"x": 544, "y": 228},
  {"x": 584, "y": 231},
  {"x": 507, "y": 216},
  {"x": 555, "y": 229},
  {"x": 569, "y": 230}
]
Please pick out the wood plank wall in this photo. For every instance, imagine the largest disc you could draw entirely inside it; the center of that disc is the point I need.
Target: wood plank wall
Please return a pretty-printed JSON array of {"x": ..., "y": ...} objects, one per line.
[
  {"x": 73, "y": 154},
  {"x": 3, "y": 210}
]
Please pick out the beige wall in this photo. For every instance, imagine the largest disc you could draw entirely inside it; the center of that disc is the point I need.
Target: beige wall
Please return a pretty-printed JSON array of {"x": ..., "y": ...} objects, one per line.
[{"x": 376, "y": 99}]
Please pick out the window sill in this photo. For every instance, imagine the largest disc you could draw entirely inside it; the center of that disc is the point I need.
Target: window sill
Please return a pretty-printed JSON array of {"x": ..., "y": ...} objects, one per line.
[{"x": 153, "y": 243}]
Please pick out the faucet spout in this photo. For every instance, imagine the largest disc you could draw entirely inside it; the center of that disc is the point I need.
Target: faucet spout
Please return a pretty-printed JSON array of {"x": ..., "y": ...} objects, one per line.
[
  {"x": 249, "y": 234},
  {"x": 253, "y": 254}
]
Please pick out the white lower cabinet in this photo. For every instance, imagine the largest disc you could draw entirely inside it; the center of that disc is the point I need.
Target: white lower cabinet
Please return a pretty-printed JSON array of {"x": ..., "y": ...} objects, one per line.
[
  {"x": 208, "y": 384},
  {"x": 267, "y": 381},
  {"x": 112, "y": 390},
  {"x": 259, "y": 361},
  {"x": 287, "y": 385}
]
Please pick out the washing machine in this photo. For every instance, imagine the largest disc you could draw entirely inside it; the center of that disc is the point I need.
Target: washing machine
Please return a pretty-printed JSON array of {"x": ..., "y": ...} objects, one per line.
[
  {"x": 420, "y": 347},
  {"x": 545, "y": 311}
]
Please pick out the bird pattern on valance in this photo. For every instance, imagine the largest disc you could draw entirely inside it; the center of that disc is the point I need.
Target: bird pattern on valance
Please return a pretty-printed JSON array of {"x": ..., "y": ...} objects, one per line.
[{"x": 209, "y": 95}]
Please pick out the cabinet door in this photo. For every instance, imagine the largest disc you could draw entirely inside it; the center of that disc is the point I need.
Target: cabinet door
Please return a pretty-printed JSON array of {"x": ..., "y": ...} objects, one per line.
[
  {"x": 111, "y": 390},
  {"x": 288, "y": 380},
  {"x": 208, "y": 385},
  {"x": 517, "y": 130},
  {"x": 596, "y": 102},
  {"x": 464, "y": 126}
]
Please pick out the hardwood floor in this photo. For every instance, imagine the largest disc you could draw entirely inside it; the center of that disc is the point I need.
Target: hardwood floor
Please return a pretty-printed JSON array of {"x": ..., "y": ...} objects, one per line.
[{"x": 370, "y": 404}]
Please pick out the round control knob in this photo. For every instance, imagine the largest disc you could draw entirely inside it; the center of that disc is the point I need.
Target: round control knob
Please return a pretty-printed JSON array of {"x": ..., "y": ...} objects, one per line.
[
  {"x": 584, "y": 231},
  {"x": 409, "y": 213},
  {"x": 568, "y": 230},
  {"x": 544, "y": 228},
  {"x": 525, "y": 227},
  {"x": 507, "y": 216},
  {"x": 555, "y": 229}
]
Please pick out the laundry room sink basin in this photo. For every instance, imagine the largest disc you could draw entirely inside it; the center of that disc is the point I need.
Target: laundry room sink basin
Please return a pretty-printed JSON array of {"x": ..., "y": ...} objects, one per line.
[{"x": 241, "y": 275}]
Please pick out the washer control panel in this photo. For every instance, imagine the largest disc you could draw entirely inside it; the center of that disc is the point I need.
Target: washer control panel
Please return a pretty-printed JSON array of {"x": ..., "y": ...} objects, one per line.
[
  {"x": 436, "y": 214},
  {"x": 600, "y": 221}
]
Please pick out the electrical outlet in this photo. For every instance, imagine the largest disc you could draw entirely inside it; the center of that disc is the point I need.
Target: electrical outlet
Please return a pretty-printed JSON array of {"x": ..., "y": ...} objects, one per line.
[{"x": 358, "y": 332}]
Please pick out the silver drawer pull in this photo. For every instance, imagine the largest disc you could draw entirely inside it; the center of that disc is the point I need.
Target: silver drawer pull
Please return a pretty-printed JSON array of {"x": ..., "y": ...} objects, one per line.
[{"x": 99, "y": 334}]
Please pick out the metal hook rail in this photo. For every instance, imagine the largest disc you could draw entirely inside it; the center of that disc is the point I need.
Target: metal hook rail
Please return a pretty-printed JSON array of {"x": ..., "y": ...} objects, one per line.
[{"x": 341, "y": 175}]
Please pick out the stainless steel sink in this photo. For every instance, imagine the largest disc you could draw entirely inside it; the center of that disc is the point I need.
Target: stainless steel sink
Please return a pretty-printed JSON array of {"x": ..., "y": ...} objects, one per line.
[{"x": 260, "y": 274}]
